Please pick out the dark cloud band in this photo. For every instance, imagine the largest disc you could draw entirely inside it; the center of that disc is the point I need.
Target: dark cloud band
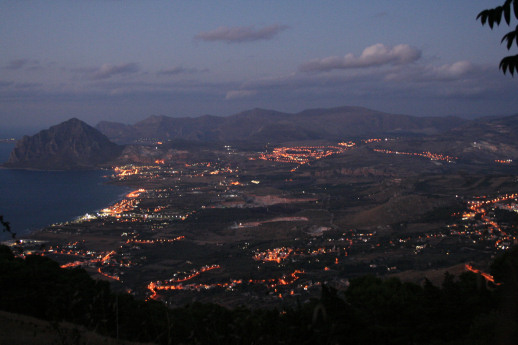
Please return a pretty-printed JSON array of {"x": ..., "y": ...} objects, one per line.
[{"x": 241, "y": 34}]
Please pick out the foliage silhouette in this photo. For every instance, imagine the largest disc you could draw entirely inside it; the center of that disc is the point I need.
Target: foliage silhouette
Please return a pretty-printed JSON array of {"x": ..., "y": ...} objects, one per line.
[
  {"x": 6, "y": 227},
  {"x": 494, "y": 16}
]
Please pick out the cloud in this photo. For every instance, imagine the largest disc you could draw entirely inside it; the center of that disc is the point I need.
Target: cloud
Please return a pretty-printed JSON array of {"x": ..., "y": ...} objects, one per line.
[
  {"x": 180, "y": 70},
  {"x": 451, "y": 82},
  {"x": 381, "y": 15},
  {"x": 373, "y": 56},
  {"x": 5, "y": 84},
  {"x": 455, "y": 70},
  {"x": 313, "y": 81},
  {"x": 460, "y": 70},
  {"x": 107, "y": 71},
  {"x": 241, "y": 34},
  {"x": 18, "y": 64},
  {"x": 235, "y": 94}
]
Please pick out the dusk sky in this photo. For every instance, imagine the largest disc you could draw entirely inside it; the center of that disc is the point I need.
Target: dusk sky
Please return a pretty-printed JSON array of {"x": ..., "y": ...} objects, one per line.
[{"x": 126, "y": 60}]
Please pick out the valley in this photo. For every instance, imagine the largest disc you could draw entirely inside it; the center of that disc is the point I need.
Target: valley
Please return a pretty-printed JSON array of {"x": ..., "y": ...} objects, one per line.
[{"x": 268, "y": 227}]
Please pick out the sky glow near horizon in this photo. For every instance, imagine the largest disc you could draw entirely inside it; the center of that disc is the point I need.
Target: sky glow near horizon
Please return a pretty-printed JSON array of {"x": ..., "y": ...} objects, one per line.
[{"x": 123, "y": 61}]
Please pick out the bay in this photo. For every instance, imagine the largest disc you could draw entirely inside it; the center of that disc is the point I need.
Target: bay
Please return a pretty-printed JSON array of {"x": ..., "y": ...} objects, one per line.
[{"x": 31, "y": 200}]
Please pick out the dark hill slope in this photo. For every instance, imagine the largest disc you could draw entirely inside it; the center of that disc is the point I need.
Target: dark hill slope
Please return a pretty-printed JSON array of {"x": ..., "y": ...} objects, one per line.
[
  {"x": 480, "y": 140},
  {"x": 161, "y": 127},
  {"x": 490, "y": 138},
  {"x": 491, "y": 129},
  {"x": 72, "y": 144}
]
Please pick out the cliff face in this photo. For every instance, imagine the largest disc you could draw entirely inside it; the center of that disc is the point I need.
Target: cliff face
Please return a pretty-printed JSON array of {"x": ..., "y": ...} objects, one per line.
[{"x": 70, "y": 145}]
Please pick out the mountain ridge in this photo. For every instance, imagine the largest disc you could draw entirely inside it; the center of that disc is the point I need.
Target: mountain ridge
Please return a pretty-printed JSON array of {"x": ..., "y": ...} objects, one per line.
[
  {"x": 74, "y": 145},
  {"x": 264, "y": 125}
]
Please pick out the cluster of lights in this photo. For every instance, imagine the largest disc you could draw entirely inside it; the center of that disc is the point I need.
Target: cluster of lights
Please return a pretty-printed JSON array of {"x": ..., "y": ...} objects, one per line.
[
  {"x": 485, "y": 275},
  {"x": 276, "y": 255},
  {"x": 285, "y": 280},
  {"x": 304, "y": 154},
  {"x": 478, "y": 208},
  {"x": 367, "y": 141},
  {"x": 155, "y": 241},
  {"x": 503, "y": 161},
  {"x": 429, "y": 155}
]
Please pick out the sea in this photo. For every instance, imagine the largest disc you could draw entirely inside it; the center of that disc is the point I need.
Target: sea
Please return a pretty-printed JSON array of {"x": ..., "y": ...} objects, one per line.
[{"x": 31, "y": 200}]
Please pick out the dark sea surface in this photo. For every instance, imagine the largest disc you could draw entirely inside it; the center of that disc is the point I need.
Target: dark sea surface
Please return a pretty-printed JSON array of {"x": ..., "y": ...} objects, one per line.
[{"x": 30, "y": 200}]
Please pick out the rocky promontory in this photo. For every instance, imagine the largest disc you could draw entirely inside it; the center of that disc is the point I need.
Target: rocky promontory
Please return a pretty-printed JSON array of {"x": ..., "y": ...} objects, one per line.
[{"x": 71, "y": 145}]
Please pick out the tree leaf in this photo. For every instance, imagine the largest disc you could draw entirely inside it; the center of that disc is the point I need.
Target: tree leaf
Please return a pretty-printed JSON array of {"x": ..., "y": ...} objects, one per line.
[
  {"x": 494, "y": 16},
  {"x": 507, "y": 12},
  {"x": 498, "y": 14},
  {"x": 483, "y": 16},
  {"x": 490, "y": 21},
  {"x": 509, "y": 37},
  {"x": 509, "y": 63},
  {"x": 503, "y": 66}
]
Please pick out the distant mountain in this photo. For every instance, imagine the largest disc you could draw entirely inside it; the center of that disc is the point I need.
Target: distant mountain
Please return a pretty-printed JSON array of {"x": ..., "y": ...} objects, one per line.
[
  {"x": 72, "y": 144},
  {"x": 261, "y": 126}
]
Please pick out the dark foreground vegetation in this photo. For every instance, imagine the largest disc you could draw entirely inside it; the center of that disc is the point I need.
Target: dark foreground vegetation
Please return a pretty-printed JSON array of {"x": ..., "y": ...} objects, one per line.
[{"x": 464, "y": 310}]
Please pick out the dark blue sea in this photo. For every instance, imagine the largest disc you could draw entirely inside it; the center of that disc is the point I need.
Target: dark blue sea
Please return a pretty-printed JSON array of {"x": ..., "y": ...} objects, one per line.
[{"x": 30, "y": 200}]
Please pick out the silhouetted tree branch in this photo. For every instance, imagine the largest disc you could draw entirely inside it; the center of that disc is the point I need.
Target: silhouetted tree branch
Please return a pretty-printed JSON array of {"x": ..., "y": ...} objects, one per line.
[
  {"x": 6, "y": 227},
  {"x": 494, "y": 16}
]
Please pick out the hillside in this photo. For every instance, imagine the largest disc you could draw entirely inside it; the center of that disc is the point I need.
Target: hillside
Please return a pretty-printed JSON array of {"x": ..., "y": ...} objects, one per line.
[
  {"x": 17, "y": 329},
  {"x": 481, "y": 140}
]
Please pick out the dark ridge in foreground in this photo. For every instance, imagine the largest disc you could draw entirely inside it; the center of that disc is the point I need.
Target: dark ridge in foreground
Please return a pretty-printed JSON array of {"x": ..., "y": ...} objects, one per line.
[
  {"x": 464, "y": 310},
  {"x": 71, "y": 145}
]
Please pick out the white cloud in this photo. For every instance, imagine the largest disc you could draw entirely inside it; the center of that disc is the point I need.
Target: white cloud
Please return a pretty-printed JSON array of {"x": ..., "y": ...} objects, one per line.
[
  {"x": 453, "y": 70},
  {"x": 235, "y": 94},
  {"x": 460, "y": 70},
  {"x": 241, "y": 33},
  {"x": 375, "y": 55},
  {"x": 107, "y": 70}
]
